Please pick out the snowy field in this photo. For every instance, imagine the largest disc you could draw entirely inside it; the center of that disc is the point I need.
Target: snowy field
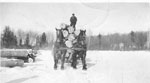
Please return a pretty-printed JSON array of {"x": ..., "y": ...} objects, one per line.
[{"x": 103, "y": 67}]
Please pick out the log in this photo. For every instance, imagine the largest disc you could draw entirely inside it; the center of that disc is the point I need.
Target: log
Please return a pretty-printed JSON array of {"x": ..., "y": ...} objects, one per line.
[
  {"x": 11, "y": 62},
  {"x": 14, "y": 52}
]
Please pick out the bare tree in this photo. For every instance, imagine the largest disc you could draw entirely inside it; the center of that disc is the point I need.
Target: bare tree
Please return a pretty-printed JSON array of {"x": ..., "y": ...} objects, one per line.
[{"x": 21, "y": 36}]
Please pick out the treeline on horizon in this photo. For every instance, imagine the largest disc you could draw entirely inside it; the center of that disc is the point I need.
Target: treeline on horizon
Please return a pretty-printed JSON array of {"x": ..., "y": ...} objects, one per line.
[{"x": 33, "y": 40}]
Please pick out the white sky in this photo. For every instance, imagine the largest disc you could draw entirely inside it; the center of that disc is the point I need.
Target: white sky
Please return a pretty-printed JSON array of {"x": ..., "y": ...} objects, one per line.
[{"x": 96, "y": 18}]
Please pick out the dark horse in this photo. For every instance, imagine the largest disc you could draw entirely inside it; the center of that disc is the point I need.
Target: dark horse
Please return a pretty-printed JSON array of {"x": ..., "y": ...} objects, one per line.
[
  {"x": 57, "y": 52},
  {"x": 81, "y": 43}
]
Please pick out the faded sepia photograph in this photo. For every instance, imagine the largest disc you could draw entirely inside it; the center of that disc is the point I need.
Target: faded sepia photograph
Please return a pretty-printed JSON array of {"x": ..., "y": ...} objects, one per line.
[{"x": 75, "y": 42}]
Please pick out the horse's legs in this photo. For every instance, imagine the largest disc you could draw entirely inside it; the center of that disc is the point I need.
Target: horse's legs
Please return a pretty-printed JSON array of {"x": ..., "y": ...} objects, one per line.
[
  {"x": 74, "y": 62},
  {"x": 63, "y": 59},
  {"x": 55, "y": 64},
  {"x": 70, "y": 57},
  {"x": 84, "y": 60},
  {"x": 55, "y": 61}
]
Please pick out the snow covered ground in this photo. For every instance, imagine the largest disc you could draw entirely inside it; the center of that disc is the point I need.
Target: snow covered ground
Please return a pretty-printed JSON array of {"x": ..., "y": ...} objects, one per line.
[{"x": 103, "y": 67}]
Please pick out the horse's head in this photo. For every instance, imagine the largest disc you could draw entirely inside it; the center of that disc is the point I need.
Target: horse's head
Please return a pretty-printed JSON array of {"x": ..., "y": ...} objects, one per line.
[
  {"x": 82, "y": 37},
  {"x": 82, "y": 34},
  {"x": 59, "y": 35}
]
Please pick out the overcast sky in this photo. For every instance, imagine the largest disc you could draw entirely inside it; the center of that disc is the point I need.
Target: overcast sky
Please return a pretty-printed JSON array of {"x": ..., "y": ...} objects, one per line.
[{"x": 96, "y": 18}]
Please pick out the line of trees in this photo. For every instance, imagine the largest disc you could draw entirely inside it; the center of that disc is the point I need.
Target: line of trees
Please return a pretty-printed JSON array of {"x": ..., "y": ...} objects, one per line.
[
  {"x": 30, "y": 39},
  {"x": 130, "y": 41},
  {"x": 22, "y": 39}
]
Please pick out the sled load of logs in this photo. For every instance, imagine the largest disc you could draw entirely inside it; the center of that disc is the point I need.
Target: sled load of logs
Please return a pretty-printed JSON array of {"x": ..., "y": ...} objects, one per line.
[{"x": 70, "y": 35}]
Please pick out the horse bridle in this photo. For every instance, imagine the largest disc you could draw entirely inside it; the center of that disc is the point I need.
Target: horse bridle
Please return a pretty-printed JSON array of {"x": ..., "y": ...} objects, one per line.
[
  {"x": 82, "y": 39},
  {"x": 58, "y": 34}
]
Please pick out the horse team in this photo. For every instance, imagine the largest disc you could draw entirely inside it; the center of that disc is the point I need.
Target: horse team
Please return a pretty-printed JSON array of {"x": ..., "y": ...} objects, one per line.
[{"x": 72, "y": 43}]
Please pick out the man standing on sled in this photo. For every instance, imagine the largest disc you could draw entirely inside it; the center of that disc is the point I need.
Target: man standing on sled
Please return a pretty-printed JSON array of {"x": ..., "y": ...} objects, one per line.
[{"x": 73, "y": 20}]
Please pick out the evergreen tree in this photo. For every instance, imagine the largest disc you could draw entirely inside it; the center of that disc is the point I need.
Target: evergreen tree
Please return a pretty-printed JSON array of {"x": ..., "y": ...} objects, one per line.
[
  {"x": 132, "y": 36},
  {"x": 8, "y": 38},
  {"x": 141, "y": 39},
  {"x": 43, "y": 39},
  {"x": 27, "y": 40},
  {"x": 20, "y": 42},
  {"x": 99, "y": 37}
]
